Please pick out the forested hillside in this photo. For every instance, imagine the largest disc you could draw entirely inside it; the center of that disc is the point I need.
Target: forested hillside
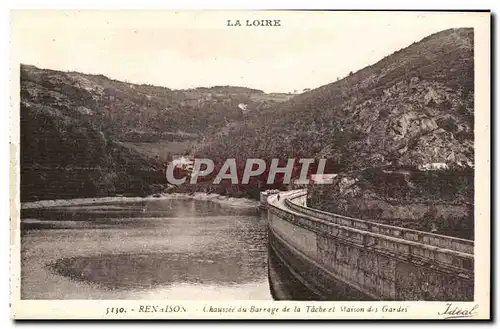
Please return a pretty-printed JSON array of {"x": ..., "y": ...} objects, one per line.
[
  {"x": 399, "y": 134},
  {"x": 88, "y": 135},
  {"x": 413, "y": 107}
]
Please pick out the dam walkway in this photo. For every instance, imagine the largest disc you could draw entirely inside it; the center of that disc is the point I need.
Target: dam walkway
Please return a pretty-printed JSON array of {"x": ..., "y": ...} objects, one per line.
[{"x": 335, "y": 256}]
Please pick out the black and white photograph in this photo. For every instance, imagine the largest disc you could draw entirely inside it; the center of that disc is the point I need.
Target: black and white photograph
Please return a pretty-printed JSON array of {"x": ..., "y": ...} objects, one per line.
[{"x": 250, "y": 164}]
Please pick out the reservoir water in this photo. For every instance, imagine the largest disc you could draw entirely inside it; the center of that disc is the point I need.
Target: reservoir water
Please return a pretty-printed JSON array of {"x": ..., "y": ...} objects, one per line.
[{"x": 149, "y": 249}]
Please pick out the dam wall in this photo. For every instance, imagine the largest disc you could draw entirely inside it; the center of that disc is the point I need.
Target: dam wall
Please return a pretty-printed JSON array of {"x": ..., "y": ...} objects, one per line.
[{"x": 352, "y": 259}]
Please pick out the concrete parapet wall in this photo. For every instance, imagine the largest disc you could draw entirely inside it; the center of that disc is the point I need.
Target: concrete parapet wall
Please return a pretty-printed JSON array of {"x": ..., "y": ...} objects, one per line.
[
  {"x": 379, "y": 261},
  {"x": 296, "y": 202}
]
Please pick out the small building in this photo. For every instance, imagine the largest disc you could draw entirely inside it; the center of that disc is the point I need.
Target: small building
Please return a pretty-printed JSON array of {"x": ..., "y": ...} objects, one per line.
[
  {"x": 323, "y": 178},
  {"x": 263, "y": 197},
  {"x": 183, "y": 162}
]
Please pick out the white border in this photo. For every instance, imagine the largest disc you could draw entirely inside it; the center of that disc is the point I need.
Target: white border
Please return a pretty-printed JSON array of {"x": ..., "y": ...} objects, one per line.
[{"x": 268, "y": 4}]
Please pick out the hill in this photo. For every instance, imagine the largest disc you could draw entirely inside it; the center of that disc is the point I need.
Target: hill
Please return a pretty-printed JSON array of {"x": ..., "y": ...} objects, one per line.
[
  {"x": 142, "y": 113},
  {"x": 415, "y": 106},
  {"x": 88, "y": 135},
  {"x": 379, "y": 127}
]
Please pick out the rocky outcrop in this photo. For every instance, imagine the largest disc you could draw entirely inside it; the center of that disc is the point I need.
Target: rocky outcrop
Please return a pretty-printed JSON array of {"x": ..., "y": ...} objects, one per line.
[
  {"x": 415, "y": 106},
  {"x": 412, "y": 110},
  {"x": 408, "y": 142}
]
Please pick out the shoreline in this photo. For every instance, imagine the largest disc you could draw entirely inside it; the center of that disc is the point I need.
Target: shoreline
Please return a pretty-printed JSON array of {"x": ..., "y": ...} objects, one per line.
[{"x": 201, "y": 196}]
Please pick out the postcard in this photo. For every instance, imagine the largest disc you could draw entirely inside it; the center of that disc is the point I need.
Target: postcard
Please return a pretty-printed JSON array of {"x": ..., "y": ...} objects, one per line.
[{"x": 250, "y": 164}]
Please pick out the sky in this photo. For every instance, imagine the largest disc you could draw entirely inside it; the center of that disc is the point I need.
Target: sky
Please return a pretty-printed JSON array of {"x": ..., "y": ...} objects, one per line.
[{"x": 182, "y": 50}]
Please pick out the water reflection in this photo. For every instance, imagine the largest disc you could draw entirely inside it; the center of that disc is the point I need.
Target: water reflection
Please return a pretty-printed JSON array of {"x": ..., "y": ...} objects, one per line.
[{"x": 168, "y": 249}]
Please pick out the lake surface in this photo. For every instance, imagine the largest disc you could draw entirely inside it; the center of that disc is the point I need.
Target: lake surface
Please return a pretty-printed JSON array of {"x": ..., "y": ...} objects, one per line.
[{"x": 150, "y": 249}]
